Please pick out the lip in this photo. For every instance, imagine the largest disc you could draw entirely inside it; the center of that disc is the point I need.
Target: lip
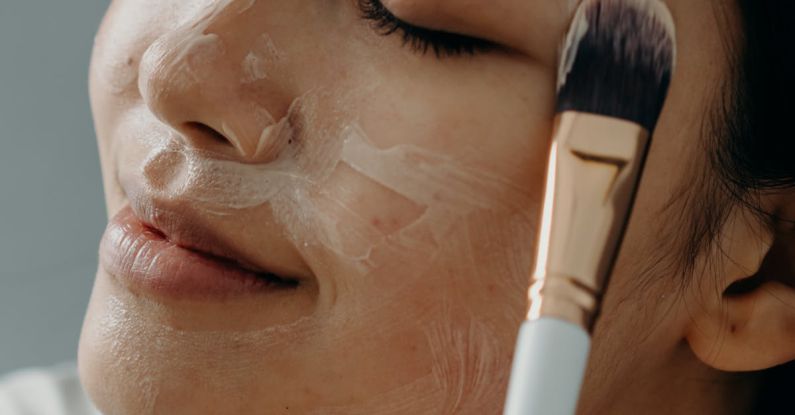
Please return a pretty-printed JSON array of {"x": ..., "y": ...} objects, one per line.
[{"x": 145, "y": 260}]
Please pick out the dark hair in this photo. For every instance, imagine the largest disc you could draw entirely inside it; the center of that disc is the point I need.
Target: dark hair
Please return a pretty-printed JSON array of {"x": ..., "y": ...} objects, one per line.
[
  {"x": 748, "y": 143},
  {"x": 750, "y": 146},
  {"x": 756, "y": 154}
]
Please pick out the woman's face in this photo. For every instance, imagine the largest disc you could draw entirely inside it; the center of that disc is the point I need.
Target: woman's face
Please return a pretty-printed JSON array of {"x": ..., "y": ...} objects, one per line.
[{"x": 398, "y": 190}]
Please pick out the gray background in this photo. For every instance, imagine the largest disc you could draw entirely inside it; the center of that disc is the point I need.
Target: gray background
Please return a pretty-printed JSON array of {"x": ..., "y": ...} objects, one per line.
[{"x": 51, "y": 208}]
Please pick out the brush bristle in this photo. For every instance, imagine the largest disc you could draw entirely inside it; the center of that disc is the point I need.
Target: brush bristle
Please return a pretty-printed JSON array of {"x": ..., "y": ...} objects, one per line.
[{"x": 618, "y": 60}]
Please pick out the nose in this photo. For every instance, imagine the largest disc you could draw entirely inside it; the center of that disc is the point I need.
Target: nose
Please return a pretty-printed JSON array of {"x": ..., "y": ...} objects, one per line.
[{"x": 214, "y": 82}]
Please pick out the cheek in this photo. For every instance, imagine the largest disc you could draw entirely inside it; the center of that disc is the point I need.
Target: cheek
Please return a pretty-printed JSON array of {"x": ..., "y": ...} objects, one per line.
[
  {"x": 492, "y": 113},
  {"x": 433, "y": 152},
  {"x": 424, "y": 227},
  {"x": 126, "y": 31},
  {"x": 429, "y": 220},
  {"x": 436, "y": 196},
  {"x": 431, "y": 211}
]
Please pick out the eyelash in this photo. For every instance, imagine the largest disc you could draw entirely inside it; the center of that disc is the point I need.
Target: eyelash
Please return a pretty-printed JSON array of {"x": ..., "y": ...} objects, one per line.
[{"x": 420, "y": 39}]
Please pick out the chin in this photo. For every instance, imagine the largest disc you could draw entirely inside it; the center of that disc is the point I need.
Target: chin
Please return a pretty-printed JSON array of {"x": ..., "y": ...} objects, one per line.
[{"x": 128, "y": 365}]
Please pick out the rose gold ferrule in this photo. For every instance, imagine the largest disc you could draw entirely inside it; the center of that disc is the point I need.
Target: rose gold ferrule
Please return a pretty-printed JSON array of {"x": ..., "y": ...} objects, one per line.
[{"x": 594, "y": 167}]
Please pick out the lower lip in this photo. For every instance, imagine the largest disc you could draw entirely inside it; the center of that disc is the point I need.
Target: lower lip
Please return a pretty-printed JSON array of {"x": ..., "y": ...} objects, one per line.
[{"x": 146, "y": 262}]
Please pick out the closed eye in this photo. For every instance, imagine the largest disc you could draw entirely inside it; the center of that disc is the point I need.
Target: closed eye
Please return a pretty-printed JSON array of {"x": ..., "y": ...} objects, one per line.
[{"x": 420, "y": 39}]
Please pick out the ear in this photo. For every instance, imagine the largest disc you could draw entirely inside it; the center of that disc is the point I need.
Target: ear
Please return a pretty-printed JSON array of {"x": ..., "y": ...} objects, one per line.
[{"x": 749, "y": 323}]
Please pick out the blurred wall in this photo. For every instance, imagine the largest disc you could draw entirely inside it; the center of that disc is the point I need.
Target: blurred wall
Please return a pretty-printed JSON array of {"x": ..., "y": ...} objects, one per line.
[{"x": 51, "y": 206}]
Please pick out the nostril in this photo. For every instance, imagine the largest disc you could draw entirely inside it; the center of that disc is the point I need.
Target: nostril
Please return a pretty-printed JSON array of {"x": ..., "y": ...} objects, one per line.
[{"x": 203, "y": 132}]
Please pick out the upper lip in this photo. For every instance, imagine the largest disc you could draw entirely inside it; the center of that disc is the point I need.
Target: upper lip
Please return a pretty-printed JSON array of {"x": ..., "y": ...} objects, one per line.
[
  {"x": 185, "y": 224},
  {"x": 182, "y": 227}
]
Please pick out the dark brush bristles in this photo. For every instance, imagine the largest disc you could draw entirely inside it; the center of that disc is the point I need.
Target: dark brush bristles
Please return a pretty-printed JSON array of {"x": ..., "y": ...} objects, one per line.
[{"x": 617, "y": 60}]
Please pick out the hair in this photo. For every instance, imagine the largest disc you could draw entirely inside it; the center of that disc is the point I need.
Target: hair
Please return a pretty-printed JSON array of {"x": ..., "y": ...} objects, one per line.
[
  {"x": 749, "y": 145},
  {"x": 756, "y": 153},
  {"x": 757, "y": 149}
]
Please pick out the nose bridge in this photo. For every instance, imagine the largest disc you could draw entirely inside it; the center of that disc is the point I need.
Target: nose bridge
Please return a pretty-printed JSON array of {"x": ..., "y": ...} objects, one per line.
[{"x": 214, "y": 71}]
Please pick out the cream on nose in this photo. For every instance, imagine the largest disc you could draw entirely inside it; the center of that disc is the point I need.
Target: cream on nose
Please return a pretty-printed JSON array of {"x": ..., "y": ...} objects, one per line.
[{"x": 198, "y": 80}]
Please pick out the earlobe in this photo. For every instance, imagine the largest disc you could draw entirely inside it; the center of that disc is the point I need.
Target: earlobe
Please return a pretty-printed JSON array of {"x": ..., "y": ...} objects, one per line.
[
  {"x": 751, "y": 326},
  {"x": 756, "y": 331}
]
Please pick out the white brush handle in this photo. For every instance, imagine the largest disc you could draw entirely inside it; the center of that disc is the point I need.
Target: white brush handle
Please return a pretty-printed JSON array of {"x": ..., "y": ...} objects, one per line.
[{"x": 548, "y": 368}]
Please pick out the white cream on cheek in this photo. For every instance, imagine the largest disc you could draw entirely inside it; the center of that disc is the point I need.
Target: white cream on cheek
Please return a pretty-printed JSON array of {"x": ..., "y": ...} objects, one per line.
[
  {"x": 300, "y": 185},
  {"x": 307, "y": 176},
  {"x": 440, "y": 189},
  {"x": 465, "y": 375}
]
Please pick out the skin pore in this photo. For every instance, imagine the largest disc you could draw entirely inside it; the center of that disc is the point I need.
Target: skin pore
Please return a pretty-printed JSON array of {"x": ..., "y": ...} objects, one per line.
[{"x": 401, "y": 190}]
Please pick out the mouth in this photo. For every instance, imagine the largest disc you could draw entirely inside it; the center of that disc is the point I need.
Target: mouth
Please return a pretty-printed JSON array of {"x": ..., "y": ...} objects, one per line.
[{"x": 149, "y": 261}]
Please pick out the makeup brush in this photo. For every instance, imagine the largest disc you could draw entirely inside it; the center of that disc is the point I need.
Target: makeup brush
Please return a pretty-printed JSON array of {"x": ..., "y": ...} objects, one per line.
[{"x": 615, "y": 69}]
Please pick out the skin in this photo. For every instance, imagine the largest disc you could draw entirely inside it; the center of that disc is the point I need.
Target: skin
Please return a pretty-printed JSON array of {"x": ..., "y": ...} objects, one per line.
[{"x": 427, "y": 330}]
